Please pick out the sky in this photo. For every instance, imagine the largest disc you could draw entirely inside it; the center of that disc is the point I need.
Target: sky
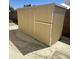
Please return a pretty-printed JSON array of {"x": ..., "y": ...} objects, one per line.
[{"x": 20, "y": 3}]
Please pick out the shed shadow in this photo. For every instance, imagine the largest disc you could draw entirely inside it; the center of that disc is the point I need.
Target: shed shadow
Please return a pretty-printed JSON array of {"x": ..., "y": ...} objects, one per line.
[{"x": 24, "y": 43}]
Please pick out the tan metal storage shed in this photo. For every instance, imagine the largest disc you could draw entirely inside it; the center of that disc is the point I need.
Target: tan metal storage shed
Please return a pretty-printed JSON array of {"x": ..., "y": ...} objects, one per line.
[{"x": 44, "y": 22}]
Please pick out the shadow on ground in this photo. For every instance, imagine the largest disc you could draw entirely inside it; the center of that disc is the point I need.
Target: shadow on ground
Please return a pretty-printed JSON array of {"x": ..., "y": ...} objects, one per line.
[
  {"x": 24, "y": 43},
  {"x": 65, "y": 39}
]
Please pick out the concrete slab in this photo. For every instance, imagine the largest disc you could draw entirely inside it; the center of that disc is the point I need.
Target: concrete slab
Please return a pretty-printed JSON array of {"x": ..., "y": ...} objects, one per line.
[
  {"x": 13, "y": 26},
  {"x": 18, "y": 45},
  {"x": 54, "y": 52}
]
